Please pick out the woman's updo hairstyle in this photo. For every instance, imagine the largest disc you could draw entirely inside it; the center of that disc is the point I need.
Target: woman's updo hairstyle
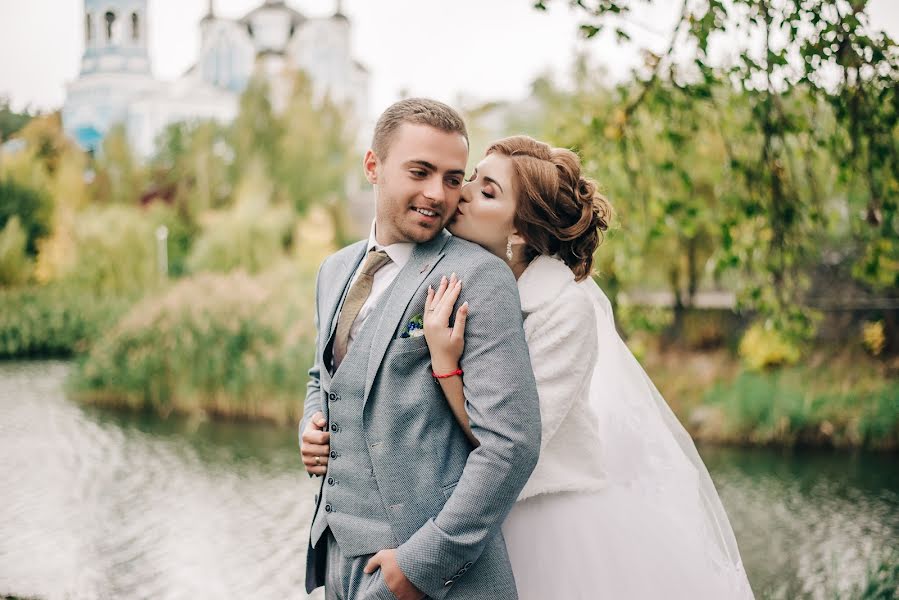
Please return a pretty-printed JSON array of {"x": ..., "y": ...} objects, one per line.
[{"x": 559, "y": 212}]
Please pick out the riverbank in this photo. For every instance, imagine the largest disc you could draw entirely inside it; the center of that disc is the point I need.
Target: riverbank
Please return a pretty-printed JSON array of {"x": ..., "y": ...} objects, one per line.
[
  {"x": 237, "y": 347},
  {"x": 838, "y": 397}
]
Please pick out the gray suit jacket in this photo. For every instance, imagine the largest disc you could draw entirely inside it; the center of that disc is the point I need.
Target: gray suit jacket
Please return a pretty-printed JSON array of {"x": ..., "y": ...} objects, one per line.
[{"x": 444, "y": 502}]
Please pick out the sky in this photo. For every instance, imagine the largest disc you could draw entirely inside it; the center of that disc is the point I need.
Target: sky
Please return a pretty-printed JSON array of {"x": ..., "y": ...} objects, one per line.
[{"x": 455, "y": 51}]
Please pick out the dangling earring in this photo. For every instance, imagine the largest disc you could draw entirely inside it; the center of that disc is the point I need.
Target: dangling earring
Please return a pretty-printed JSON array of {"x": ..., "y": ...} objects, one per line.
[{"x": 509, "y": 250}]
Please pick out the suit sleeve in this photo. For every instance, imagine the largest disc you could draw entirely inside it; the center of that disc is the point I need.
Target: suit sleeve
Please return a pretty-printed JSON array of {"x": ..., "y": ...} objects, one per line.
[
  {"x": 313, "y": 402},
  {"x": 504, "y": 413}
]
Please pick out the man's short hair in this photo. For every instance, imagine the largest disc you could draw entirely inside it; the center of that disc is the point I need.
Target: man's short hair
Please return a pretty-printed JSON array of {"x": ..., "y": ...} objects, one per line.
[{"x": 419, "y": 111}]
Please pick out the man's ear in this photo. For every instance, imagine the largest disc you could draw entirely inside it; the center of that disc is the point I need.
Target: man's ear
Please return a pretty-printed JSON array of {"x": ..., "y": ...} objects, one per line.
[{"x": 370, "y": 166}]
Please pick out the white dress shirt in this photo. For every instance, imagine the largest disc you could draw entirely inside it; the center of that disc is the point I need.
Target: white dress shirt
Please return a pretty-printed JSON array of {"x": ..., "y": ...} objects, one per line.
[{"x": 399, "y": 254}]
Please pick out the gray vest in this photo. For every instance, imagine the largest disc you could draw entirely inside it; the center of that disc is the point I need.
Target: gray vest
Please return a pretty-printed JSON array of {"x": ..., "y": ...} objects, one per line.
[{"x": 350, "y": 502}]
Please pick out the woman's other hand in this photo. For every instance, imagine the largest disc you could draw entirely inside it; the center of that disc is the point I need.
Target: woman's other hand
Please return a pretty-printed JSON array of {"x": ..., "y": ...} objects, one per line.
[{"x": 445, "y": 343}]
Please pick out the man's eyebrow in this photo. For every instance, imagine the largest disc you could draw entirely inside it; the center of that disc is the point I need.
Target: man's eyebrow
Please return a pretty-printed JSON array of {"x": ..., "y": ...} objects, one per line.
[
  {"x": 430, "y": 167},
  {"x": 422, "y": 163},
  {"x": 494, "y": 182}
]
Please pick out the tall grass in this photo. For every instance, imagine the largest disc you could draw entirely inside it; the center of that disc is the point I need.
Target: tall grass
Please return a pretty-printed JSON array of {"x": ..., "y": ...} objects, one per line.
[
  {"x": 54, "y": 320},
  {"x": 786, "y": 408},
  {"x": 230, "y": 345}
]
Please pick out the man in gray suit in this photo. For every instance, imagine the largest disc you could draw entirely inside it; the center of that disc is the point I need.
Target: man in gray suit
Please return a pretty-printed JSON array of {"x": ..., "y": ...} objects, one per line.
[{"x": 402, "y": 490}]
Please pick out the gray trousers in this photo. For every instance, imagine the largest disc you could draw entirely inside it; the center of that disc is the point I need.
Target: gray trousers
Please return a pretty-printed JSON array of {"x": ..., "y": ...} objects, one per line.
[{"x": 344, "y": 578}]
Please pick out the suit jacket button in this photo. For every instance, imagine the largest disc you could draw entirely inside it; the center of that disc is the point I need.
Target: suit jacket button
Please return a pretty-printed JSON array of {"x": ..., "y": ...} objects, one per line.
[
  {"x": 468, "y": 565},
  {"x": 330, "y": 481},
  {"x": 335, "y": 427},
  {"x": 333, "y": 454},
  {"x": 328, "y": 508},
  {"x": 332, "y": 396},
  {"x": 448, "y": 583}
]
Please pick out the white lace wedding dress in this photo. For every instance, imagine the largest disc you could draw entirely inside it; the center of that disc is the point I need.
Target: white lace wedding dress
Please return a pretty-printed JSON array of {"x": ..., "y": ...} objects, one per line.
[{"x": 656, "y": 527}]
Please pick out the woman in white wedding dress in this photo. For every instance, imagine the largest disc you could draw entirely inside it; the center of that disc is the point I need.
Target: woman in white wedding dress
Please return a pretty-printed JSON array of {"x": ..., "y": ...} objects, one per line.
[{"x": 620, "y": 505}]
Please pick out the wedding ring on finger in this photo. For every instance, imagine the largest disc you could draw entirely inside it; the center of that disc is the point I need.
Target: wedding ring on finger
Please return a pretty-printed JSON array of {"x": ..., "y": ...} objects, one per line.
[{"x": 318, "y": 461}]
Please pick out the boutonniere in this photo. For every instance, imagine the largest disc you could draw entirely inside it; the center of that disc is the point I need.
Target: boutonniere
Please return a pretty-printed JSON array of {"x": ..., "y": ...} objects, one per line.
[{"x": 415, "y": 327}]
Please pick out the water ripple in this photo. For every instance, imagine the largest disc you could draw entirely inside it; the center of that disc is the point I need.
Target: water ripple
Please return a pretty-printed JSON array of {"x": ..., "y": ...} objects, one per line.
[{"x": 100, "y": 505}]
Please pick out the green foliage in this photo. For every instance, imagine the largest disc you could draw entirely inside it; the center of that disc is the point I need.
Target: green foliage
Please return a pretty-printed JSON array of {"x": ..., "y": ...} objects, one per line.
[
  {"x": 182, "y": 232},
  {"x": 119, "y": 178},
  {"x": 115, "y": 252},
  {"x": 315, "y": 148},
  {"x": 783, "y": 408},
  {"x": 231, "y": 345},
  {"x": 15, "y": 266},
  {"x": 306, "y": 150},
  {"x": 750, "y": 166},
  {"x": 53, "y": 320},
  {"x": 882, "y": 580},
  {"x": 192, "y": 166},
  {"x": 634, "y": 319},
  {"x": 11, "y": 121},
  {"x": 33, "y": 208},
  {"x": 251, "y": 236}
]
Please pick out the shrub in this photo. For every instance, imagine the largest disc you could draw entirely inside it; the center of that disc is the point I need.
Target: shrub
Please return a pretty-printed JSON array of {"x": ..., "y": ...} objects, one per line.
[
  {"x": 33, "y": 208},
  {"x": 115, "y": 251},
  {"x": 763, "y": 346},
  {"x": 251, "y": 236},
  {"x": 873, "y": 337},
  {"x": 230, "y": 345},
  {"x": 15, "y": 266},
  {"x": 53, "y": 320},
  {"x": 780, "y": 408}
]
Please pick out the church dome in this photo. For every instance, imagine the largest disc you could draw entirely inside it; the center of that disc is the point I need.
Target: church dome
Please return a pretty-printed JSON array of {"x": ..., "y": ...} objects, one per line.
[{"x": 272, "y": 25}]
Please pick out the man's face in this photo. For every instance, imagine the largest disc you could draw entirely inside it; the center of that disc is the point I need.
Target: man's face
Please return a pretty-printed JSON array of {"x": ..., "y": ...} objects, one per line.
[{"x": 418, "y": 183}]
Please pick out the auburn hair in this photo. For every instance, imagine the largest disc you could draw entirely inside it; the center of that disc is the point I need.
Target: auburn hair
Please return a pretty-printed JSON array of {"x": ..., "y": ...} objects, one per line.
[{"x": 559, "y": 212}]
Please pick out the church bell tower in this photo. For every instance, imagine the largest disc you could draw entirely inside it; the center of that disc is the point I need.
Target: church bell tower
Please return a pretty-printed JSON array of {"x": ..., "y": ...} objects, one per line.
[{"x": 115, "y": 69}]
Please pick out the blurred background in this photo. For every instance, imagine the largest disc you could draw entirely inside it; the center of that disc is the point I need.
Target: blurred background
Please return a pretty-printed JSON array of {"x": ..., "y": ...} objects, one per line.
[{"x": 173, "y": 173}]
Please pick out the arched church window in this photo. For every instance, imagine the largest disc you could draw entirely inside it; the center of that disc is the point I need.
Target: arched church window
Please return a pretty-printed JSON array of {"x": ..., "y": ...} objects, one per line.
[
  {"x": 135, "y": 27},
  {"x": 88, "y": 34},
  {"x": 110, "y": 19}
]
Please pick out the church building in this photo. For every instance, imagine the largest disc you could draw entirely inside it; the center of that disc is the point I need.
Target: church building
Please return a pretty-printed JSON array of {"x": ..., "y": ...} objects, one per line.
[{"x": 116, "y": 84}]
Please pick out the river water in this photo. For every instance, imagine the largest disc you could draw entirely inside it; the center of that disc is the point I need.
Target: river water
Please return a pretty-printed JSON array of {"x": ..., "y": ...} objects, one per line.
[{"x": 101, "y": 504}]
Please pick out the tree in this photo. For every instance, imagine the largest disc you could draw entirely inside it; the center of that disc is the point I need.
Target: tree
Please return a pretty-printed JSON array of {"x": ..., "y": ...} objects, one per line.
[
  {"x": 315, "y": 154},
  {"x": 11, "y": 121},
  {"x": 780, "y": 94},
  {"x": 120, "y": 176}
]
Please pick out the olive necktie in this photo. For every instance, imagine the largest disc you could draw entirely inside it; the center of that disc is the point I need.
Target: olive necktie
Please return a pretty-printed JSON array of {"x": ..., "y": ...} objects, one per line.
[{"x": 355, "y": 299}]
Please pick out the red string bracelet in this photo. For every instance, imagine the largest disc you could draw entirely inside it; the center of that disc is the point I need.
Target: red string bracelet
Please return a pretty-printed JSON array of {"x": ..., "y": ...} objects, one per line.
[{"x": 445, "y": 375}]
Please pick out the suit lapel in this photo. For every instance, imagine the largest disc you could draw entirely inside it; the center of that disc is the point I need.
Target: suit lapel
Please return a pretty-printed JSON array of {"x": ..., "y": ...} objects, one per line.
[{"x": 422, "y": 262}]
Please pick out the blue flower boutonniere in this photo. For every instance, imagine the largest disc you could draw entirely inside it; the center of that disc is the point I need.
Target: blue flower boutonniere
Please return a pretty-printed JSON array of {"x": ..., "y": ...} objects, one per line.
[{"x": 415, "y": 327}]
